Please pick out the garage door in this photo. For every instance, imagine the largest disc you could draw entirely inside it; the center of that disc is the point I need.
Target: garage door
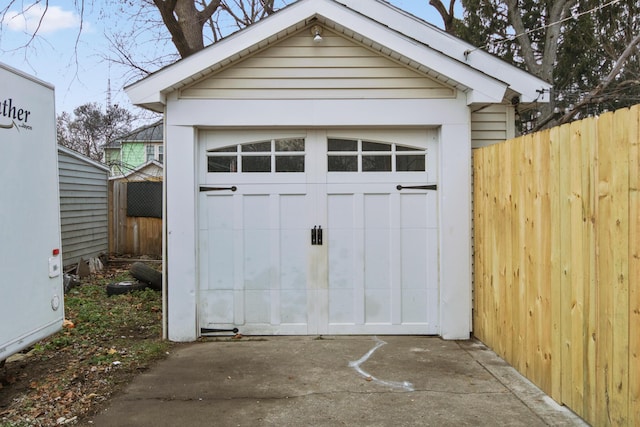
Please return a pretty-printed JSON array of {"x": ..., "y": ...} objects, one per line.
[{"x": 318, "y": 232}]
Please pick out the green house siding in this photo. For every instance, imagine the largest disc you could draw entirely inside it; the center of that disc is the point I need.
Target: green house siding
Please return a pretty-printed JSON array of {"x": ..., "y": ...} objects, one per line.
[
  {"x": 129, "y": 152},
  {"x": 133, "y": 155}
]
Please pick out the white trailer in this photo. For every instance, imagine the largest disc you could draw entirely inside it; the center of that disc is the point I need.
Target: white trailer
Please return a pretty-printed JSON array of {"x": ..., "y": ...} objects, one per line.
[{"x": 31, "y": 289}]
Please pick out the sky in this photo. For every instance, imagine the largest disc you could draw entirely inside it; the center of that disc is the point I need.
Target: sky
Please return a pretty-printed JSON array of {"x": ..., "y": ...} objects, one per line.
[{"x": 76, "y": 61}]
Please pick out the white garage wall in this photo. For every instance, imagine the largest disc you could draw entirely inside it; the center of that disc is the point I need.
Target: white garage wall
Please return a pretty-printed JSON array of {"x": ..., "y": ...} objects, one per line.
[{"x": 451, "y": 116}]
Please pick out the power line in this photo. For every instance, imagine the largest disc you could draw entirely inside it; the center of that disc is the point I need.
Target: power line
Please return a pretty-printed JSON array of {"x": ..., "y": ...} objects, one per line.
[{"x": 568, "y": 18}]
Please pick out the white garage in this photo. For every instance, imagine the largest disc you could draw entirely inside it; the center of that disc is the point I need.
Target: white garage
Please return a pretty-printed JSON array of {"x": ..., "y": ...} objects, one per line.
[{"x": 317, "y": 173}]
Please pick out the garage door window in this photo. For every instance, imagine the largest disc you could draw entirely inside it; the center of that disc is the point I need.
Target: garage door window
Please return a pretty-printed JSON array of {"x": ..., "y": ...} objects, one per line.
[
  {"x": 276, "y": 155},
  {"x": 350, "y": 155}
]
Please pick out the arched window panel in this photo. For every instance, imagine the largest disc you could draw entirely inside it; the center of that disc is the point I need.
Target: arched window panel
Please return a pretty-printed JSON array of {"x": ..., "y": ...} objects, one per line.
[
  {"x": 273, "y": 156},
  {"x": 355, "y": 155}
]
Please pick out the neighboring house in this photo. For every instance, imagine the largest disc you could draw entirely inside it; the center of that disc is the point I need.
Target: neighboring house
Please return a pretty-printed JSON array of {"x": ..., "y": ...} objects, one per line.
[
  {"x": 134, "y": 149},
  {"x": 83, "y": 206},
  {"x": 319, "y": 172}
]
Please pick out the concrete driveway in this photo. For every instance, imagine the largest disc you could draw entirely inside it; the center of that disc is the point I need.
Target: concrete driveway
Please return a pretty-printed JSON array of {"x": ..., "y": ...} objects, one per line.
[{"x": 333, "y": 381}]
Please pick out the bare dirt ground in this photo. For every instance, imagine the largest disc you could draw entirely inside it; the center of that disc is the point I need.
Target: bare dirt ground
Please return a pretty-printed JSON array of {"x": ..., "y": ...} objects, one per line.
[{"x": 105, "y": 343}]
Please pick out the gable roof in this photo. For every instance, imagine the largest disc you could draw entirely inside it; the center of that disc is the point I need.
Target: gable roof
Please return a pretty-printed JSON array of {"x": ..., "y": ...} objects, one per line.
[
  {"x": 373, "y": 23},
  {"x": 148, "y": 133},
  {"x": 82, "y": 157},
  {"x": 149, "y": 171}
]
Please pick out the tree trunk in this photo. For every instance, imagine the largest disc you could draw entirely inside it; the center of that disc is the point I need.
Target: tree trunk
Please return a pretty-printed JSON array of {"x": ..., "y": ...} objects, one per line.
[
  {"x": 541, "y": 67},
  {"x": 447, "y": 15},
  {"x": 185, "y": 23}
]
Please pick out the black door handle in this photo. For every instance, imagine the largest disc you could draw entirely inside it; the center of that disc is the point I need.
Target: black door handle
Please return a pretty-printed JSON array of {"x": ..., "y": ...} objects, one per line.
[{"x": 316, "y": 235}]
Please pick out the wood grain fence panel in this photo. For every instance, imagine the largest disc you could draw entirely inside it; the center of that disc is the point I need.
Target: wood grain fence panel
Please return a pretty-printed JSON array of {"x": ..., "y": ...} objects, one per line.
[
  {"x": 587, "y": 408},
  {"x": 558, "y": 248},
  {"x": 634, "y": 265},
  {"x": 527, "y": 294},
  {"x": 574, "y": 304},
  {"x": 493, "y": 265},
  {"x": 121, "y": 218},
  {"x": 482, "y": 232},
  {"x": 517, "y": 258},
  {"x": 487, "y": 246},
  {"x": 151, "y": 236},
  {"x": 547, "y": 267},
  {"x": 523, "y": 314},
  {"x": 620, "y": 278},
  {"x": 131, "y": 235},
  {"x": 555, "y": 166},
  {"x": 604, "y": 356},
  {"x": 488, "y": 222},
  {"x": 478, "y": 238},
  {"x": 110, "y": 219},
  {"x": 504, "y": 252},
  {"x": 541, "y": 142},
  {"x": 564, "y": 200}
]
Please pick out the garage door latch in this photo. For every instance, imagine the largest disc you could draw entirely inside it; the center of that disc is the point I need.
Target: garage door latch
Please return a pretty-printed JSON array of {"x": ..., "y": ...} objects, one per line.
[
  {"x": 418, "y": 187},
  {"x": 316, "y": 235},
  {"x": 234, "y": 188}
]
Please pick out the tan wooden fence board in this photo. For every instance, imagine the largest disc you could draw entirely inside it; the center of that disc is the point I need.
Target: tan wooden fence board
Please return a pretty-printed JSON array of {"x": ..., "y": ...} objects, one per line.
[
  {"x": 557, "y": 241},
  {"x": 634, "y": 266},
  {"x": 557, "y": 261},
  {"x": 633, "y": 126},
  {"x": 128, "y": 235}
]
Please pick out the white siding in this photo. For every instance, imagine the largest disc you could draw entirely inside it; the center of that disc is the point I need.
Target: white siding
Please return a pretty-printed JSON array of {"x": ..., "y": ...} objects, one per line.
[
  {"x": 491, "y": 124},
  {"x": 336, "y": 68},
  {"x": 83, "y": 207}
]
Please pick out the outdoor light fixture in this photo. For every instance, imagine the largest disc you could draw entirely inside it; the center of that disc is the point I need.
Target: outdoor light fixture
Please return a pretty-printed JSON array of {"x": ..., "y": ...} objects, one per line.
[{"x": 316, "y": 32}]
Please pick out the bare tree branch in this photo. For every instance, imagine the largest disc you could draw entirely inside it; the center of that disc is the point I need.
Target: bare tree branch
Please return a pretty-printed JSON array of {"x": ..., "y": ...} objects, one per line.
[
  {"x": 595, "y": 93},
  {"x": 124, "y": 56}
]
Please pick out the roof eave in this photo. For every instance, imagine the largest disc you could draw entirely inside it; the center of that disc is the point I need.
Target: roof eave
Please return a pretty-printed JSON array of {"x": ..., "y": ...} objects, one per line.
[
  {"x": 526, "y": 84},
  {"x": 484, "y": 80}
]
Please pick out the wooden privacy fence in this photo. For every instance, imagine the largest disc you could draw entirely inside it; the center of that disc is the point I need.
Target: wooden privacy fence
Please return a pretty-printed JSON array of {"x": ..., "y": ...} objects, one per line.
[
  {"x": 128, "y": 234},
  {"x": 557, "y": 262}
]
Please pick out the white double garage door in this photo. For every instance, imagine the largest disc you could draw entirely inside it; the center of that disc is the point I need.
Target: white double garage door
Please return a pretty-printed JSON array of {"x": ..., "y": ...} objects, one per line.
[{"x": 305, "y": 232}]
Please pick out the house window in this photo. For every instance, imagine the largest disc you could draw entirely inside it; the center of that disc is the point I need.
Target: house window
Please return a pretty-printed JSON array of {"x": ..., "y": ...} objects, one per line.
[
  {"x": 155, "y": 152},
  {"x": 353, "y": 155},
  {"x": 151, "y": 152},
  {"x": 276, "y": 155}
]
